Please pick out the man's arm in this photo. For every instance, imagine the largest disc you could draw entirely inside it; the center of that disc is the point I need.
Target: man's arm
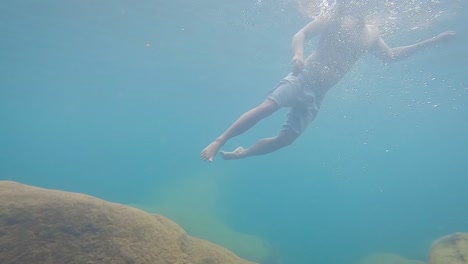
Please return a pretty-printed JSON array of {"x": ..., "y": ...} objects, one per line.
[
  {"x": 310, "y": 30},
  {"x": 387, "y": 54}
]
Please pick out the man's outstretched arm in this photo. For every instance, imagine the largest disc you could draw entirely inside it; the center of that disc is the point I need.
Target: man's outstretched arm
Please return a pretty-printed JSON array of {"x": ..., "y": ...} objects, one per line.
[
  {"x": 387, "y": 54},
  {"x": 310, "y": 30}
]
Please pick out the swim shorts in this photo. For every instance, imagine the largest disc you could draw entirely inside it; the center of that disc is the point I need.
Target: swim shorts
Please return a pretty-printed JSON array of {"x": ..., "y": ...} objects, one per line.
[{"x": 303, "y": 98}]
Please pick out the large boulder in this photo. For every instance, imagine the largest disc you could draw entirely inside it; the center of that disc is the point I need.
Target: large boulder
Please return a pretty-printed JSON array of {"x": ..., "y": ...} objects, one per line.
[
  {"x": 451, "y": 249},
  {"x": 48, "y": 226}
]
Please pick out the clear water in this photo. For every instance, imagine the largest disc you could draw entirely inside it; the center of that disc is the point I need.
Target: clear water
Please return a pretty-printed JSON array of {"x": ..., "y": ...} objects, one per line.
[{"x": 117, "y": 98}]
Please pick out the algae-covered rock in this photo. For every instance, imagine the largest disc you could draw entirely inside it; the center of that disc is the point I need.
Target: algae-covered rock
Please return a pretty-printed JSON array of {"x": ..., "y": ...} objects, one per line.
[
  {"x": 48, "y": 226},
  {"x": 388, "y": 259},
  {"x": 451, "y": 249},
  {"x": 193, "y": 202}
]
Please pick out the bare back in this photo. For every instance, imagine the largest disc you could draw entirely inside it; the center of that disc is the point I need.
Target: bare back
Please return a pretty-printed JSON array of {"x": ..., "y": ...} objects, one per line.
[{"x": 341, "y": 44}]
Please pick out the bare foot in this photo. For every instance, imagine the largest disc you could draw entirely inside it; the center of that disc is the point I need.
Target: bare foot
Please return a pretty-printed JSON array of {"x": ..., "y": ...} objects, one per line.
[
  {"x": 233, "y": 154},
  {"x": 210, "y": 151}
]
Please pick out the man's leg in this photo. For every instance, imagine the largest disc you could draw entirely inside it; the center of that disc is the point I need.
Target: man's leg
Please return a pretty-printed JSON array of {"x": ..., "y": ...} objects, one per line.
[
  {"x": 246, "y": 121},
  {"x": 298, "y": 118},
  {"x": 263, "y": 146}
]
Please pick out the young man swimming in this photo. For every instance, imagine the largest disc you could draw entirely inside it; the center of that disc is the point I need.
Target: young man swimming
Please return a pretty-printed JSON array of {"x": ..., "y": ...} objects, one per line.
[{"x": 344, "y": 38}]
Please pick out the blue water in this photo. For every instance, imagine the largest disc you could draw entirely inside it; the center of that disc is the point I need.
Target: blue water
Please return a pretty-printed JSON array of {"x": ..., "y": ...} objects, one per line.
[{"x": 117, "y": 98}]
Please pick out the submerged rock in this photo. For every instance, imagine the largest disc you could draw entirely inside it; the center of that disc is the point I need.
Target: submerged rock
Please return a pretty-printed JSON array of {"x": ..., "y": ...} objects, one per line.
[
  {"x": 451, "y": 249},
  {"x": 193, "y": 203},
  {"x": 388, "y": 259},
  {"x": 48, "y": 226}
]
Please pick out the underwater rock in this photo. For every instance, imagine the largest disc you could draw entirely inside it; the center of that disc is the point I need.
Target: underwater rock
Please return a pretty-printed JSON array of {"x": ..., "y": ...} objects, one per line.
[
  {"x": 49, "y": 226},
  {"x": 388, "y": 259},
  {"x": 194, "y": 204},
  {"x": 451, "y": 249}
]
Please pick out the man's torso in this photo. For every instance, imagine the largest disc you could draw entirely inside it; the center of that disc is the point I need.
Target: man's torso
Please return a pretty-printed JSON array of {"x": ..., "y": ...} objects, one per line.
[{"x": 339, "y": 47}]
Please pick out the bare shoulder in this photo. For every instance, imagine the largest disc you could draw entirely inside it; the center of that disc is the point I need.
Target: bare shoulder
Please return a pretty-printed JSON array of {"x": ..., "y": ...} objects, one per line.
[
  {"x": 373, "y": 33},
  {"x": 315, "y": 27},
  {"x": 373, "y": 30}
]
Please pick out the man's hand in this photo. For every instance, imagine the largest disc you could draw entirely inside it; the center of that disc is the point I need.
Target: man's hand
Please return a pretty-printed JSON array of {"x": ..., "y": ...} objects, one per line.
[
  {"x": 298, "y": 64},
  {"x": 447, "y": 35}
]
